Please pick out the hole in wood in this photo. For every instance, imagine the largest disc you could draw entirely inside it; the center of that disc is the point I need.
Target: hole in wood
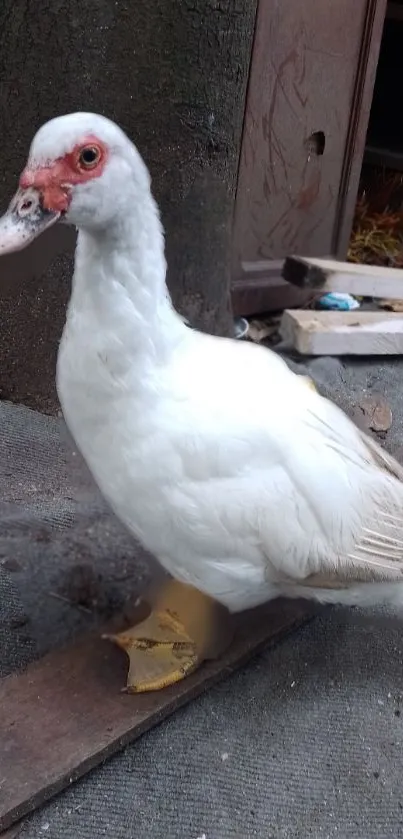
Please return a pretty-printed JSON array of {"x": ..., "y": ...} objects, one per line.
[{"x": 316, "y": 143}]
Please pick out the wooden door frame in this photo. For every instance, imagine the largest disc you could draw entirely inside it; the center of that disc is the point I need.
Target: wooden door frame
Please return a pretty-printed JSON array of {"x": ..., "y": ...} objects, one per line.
[
  {"x": 258, "y": 287},
  {"x": 359, "y": 118}
]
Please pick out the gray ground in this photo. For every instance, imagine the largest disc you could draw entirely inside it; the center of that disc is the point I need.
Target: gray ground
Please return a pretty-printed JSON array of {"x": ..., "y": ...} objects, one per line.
[{"x": 304, "y": 742}]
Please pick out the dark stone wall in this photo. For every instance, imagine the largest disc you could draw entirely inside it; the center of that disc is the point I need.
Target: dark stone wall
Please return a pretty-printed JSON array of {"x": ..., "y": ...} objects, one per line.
[{"x": 173, "y": 74}]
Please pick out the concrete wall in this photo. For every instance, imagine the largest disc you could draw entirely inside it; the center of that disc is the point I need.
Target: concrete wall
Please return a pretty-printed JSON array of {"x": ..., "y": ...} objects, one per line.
[{"x": 173, "y": 73}]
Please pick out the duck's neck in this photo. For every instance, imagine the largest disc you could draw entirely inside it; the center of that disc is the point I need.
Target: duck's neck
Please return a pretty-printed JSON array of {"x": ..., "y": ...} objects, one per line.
[{"x": 120, "y": 276}]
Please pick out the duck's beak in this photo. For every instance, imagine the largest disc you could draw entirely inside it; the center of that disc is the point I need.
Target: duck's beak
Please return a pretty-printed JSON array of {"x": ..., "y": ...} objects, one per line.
[{"x": 25, "y": 219}]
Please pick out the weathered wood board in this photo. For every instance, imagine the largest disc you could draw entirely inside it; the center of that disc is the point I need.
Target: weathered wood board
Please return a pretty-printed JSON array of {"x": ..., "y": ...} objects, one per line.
[
  {"x": 325, "y": 275},
  {"x": 343, "y": 333},
  {"x": 66, "y": 713}
]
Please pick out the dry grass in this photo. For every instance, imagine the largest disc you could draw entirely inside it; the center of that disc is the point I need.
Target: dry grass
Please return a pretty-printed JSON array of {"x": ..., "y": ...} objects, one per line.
[{"x": 377, "y": 236}]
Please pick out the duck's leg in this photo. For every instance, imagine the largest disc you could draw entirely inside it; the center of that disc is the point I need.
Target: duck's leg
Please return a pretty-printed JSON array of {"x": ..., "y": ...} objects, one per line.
[{"x": 183, "y": 629}]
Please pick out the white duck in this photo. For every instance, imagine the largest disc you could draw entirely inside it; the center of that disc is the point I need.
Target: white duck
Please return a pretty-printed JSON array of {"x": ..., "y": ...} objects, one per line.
[{"x": 244, "y": 504}]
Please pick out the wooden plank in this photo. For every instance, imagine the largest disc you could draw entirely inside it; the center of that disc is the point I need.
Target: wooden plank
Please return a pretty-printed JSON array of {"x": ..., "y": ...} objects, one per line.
[
  {"x": 66, "y": 714},
  {"x": 343, "y": 333},
  {"x": 324, "y": 275}
]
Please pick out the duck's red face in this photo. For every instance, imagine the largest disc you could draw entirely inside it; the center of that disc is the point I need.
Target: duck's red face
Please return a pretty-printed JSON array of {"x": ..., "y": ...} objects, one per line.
[
  {"x": 45, "y": 192},
  {"x": 55, "y": 180}
]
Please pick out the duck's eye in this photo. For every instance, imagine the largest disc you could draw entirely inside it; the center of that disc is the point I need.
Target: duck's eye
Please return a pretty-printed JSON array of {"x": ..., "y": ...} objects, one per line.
[{"x": 89, "y": 157}]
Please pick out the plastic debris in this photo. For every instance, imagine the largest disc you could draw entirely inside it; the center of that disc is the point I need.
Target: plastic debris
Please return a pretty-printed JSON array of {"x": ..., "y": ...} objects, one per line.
[
  {"x": 241, "y": 327},
  {"x": 337, "y": 301}
]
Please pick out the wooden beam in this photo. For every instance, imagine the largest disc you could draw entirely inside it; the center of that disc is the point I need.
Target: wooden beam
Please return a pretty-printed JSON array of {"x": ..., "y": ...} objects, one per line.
[
  {"x": 66, "y": 714},
  {"x": 324, "y": 275},
  {"x": 258, "y": 287},
  {"x": 343, "y": 333}
]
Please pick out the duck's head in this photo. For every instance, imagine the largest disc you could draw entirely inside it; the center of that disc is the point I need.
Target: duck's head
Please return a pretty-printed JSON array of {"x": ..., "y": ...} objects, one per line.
[{"x": 81, "y": 169}]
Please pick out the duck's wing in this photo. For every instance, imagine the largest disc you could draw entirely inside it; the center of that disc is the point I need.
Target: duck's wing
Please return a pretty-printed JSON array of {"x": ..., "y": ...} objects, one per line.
[
  {"x": 284, "y": 475},
  {"x": 365, "y": 538},
  {"x": 380, "y": 456}
]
